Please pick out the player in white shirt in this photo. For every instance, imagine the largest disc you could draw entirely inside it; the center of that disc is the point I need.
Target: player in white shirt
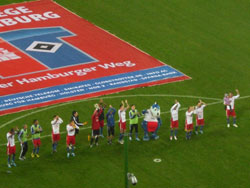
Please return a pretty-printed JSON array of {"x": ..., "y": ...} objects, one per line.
[
  {"x": 55, "y": 123},
  {"x": 11, "y": 147},
  {"x": 71, "y": 129},
  {"x": 199, "y": 111},
  {"x": 122, "y": 120},
  {"x": 189, "y": 122},
  {"x": 230, "y": 112},
  {"x": 174, "y": 123}
]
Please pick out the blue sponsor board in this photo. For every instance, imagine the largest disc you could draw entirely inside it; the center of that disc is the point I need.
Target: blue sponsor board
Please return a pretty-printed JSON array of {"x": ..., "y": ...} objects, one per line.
[{"x": 88, "y": 87}]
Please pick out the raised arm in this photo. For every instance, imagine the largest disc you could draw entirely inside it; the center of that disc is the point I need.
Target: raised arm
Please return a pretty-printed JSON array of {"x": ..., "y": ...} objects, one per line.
[
  {"x": 53, "y": 122},
  {"x": 127, "y": 105},
  {"x": 173, "y": 107},
  {"x": 190, "y": 113},
  {"x": 178, "y": 106},
  {"x": 203, "y": 103},
  {"x": 114, "y": 111},
  {"x": 111, "y": 109},
  {"x": 60, "y": 120},
  {"x": 93, "y": 115},
  {"x": 238, "y": 94}
]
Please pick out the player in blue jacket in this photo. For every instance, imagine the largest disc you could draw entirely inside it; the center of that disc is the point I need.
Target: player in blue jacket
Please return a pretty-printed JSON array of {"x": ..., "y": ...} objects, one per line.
[{"x": 110, "y": 116}]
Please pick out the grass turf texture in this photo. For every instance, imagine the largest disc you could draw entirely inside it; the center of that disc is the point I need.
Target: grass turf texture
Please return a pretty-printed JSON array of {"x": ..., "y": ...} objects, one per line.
[{"x": 207, "y": 40}]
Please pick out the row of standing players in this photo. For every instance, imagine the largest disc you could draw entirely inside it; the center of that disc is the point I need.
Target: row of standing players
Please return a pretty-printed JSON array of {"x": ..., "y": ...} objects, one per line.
[{"x": 98, "y": 124}]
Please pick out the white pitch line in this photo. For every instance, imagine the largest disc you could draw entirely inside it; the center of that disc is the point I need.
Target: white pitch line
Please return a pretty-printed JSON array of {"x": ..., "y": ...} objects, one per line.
[
  {"x": 167, "y": 112},
  {"x": 108, "y": 97}
]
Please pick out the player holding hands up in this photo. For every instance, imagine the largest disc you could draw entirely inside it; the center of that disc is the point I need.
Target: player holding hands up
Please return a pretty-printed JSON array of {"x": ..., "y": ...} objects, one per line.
[{"x": 122, "y": 119}]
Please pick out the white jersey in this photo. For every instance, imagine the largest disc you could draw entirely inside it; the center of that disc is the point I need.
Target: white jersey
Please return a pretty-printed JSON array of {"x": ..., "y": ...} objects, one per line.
[
  {"x": 174, "y": 111},
  {"x": 189, "y": 117},
  {"x": 71, "y": 130},
  {"x": 200, "y": 111},
  {"x": 122, "y": 116},
  {"x": 10, "y": 140},
  {"x": 232, "y": 102},
  {"x": 148, "y": 116},
  {"x": 56, "y": 125}
]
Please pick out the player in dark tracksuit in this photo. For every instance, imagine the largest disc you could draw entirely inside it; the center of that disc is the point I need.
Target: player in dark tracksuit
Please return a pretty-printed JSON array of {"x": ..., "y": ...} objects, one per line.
[
  {"x": 75, "y": 118},
  {"x": 111, "y": 123},
  {"x": 23, "y": 138}
]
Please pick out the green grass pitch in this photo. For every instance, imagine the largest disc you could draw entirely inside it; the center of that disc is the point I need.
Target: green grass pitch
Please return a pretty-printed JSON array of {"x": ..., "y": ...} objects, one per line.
[{"x": 208, "y": 41}]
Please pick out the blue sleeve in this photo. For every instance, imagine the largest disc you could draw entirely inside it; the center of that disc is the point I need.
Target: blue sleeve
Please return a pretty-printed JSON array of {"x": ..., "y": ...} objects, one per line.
[
  {"x": 144, "y": 111},
  {"x": 109, "y": 111},
  {"x": 32, "y": 130},
  {"x": 107, "y": 115},
  {"x": 114, "y": 111},
  {"x": 20, "y": 135},
  {"x": 78, "y": 124},
  {"x": 130, "y": 115}
]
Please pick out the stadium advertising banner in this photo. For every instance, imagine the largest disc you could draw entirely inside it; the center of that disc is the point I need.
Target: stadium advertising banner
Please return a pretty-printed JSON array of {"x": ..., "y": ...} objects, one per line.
[{"x": 50, "y": 55}]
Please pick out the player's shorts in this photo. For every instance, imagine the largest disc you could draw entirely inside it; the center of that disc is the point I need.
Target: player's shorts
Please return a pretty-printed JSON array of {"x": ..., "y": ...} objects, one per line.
[
  {"x": 101, "y": 123},
  {"x": 96, "y": 132},
  {"x": 11, "y": 150},
  {"x": 111, "y": 131},
  {"x": 174, "y": 124},
  {"x": 152, "y": 126},
  {"x": 231, "y": 113},
  {"x": 55, "y": 137},
  {"x": 71, "y": 140},
  {"x": 37, "y": 142},
  {"x": 199, "y": 122},
  {"x": 122, "y": 125},
  {"x": 189, "y": 127}
]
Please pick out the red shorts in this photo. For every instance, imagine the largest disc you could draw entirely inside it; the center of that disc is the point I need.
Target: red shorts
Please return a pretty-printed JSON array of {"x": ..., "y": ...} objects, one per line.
[
  {"x": 55, "y": 137},
  {"x": 189, "y": 127},
  {"x": 122, "y": 125},
  {"x": 71, "y": 140},
  {"x": 174, "y": 124},
  {"x": 231, "y": 113},
  {"x": 152, "y": 126},
  {"x": 11, "y": 150},
  {"x": 37, "y": 142},
  {"x": 101, "y": 123},
  {"x": 199, "y": 122}
]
